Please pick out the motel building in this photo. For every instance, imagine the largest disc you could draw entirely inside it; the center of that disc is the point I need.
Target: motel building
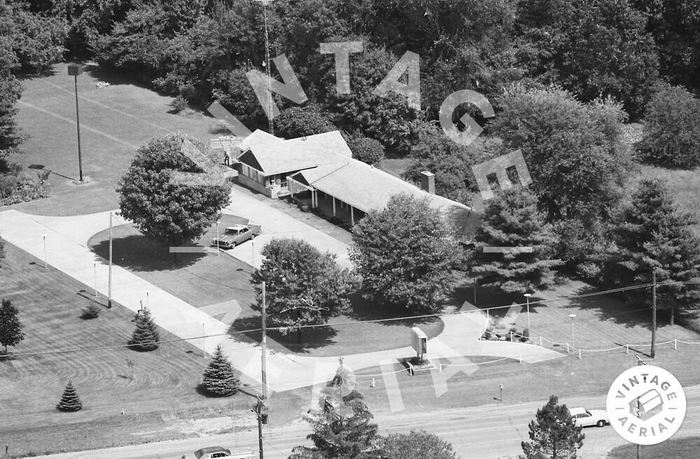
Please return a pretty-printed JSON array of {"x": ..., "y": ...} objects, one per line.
[{"x": 319, "y": 171}]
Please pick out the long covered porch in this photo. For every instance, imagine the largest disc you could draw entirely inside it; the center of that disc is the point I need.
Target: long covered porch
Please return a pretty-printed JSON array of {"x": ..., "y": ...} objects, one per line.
[{"x": 325, "y": 203}]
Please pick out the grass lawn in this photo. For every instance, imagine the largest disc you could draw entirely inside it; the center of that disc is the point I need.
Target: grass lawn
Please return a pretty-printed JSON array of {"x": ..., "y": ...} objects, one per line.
[
  {"x": 114, "y": 121},
  {"x": 203, "y": 280},
  {"x": 681, "y": 448},
  {"x": 522, "y": 382},
  {"x": 163, "y": 388}
]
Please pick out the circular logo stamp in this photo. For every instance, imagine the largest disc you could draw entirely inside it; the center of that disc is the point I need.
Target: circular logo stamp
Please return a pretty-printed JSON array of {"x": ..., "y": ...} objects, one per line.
[{"x": 646, "y": 405}]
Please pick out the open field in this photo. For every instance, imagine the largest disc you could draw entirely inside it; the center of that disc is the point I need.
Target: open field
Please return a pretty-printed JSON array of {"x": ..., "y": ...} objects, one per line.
[
  {"x": 114, "y": 121},
  {"x": 59, "y": 346}
]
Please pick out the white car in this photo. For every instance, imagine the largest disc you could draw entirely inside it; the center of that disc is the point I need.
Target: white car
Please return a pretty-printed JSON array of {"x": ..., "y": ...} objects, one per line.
[{"x": 588, "y": 418}]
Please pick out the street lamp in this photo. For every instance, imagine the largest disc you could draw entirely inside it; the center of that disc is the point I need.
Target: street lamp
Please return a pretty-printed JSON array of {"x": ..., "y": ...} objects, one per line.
[
  {"x": 527, "y": 298},
  {"x": 218, "y": 252},
  {"x": 75, "y": 70},
  {"x": 572, "y": 330},
  {"x": 46, "y": 265}
]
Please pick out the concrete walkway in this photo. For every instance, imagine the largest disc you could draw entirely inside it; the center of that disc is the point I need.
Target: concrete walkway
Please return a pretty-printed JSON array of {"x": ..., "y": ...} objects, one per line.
[
  {"x": 277, "y": 224},
  {"x": 66, "y": 250}
]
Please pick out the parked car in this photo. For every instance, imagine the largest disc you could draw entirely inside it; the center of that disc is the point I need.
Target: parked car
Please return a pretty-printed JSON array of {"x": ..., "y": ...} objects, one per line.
[
  {"x": 211, "y": 452},
  {"x": 587, "y": 418},
  {"x": 235, "y": 235}
]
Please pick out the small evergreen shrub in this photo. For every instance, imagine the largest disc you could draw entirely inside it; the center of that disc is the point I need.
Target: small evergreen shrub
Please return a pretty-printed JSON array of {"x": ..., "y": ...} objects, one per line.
[
  {"x": 179, "y": 104},
  {"x": 91, "y": 311},
  {"x": 69, "y": 400},
  {"x": 219, "y": 379},
  {"x": 525, "y": 336},
  {"x": 145, "y": 337}
]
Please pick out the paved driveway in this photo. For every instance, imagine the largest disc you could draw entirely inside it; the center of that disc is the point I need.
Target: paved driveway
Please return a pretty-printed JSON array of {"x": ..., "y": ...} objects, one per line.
[{"x": 277, "y": 224}]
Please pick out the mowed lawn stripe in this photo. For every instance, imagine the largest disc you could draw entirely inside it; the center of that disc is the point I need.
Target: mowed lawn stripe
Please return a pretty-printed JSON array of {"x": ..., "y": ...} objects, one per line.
[
  {"x": 83, "y": 125},
  {"x": 30, "y": 385}
]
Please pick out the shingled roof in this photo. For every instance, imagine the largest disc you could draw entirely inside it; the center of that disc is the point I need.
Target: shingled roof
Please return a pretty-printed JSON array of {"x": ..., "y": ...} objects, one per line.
[{"x": 325, "y": 162}]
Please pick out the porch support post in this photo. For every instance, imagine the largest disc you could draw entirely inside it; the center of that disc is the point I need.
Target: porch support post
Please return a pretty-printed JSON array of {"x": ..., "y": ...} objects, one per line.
[
  {"x": 352, "y": 215},
  {"x": 333, "y": 205}
]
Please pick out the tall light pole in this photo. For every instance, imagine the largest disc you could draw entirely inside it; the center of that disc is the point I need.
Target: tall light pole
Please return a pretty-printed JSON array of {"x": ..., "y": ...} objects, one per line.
[
  {"x": 218, "y": 252},
  {"x": 527, "y": 299},
  {"x": 653, "y": 315},
  {"x": 46, "y": 265},
  {"x": 94, "y": 276},
  {"x": 75, "y": 70},
  {"x": 109, "y": 280},
  {"x": 573, "y": 346}
]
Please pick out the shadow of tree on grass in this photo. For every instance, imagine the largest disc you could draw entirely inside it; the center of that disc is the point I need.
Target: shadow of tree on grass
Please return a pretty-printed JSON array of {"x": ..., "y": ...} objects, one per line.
[{"x": 139, "y": 253}]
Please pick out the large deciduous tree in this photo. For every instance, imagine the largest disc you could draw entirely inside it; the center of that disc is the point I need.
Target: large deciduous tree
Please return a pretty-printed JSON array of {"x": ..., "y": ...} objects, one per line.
[
  {"x": 574, "y": 151},
  {"x": 553, "y": 432},
  {"x": 10, "y": 137},
  {"x": 675, "y": 27},
  {"x": 365, "y": 149},
  {"x": 387, "y": 118},
  {"x": 652, "y": 235},
  {"x": 672, "y": 129},
  {"x": 415, "y": 445},
  {"x": 11, "y": 329},
  {"x": 450, "y": 162},
  {"x": 511, "y": 221},
  {"x": 303, "y": 286},
  {"x": 295, "y": 122},
  {"x": 168, "y": 212},
  {"x": 593, "y": 49},
  {"x": 405, "y": 254}
]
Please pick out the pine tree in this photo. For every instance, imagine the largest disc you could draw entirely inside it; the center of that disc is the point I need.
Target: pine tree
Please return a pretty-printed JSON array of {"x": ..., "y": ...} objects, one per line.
[
  {"x": 69, "y": 400},
  {"x": 219, "y": 379},
  {"x": 652, "y": 235},
  {"x": 145, "y": 337},
  {"x": 553, "y": 432},
  {"x": 511, "y": 219},
  {"x": 11, "y": 333}
]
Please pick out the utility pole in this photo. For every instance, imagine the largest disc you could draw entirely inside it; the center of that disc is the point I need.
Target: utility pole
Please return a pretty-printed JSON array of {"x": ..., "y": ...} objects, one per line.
[
  {"x": 639, "y": 362},
  {"x": 263, "y": 356},
  {"x": 653, "y": 314},
  {"x": 258, "y": 409},
  {"x": 109, "y": 276}
]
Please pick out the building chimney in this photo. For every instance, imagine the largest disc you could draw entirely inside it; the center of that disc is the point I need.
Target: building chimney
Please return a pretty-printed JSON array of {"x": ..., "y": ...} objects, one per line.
[{"x": 427, "y": 181}]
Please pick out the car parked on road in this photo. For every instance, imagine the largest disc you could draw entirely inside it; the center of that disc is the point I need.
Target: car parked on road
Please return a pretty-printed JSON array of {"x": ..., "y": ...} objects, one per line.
[
  {"x": 235, "y": 235},
  {"x": 588, "y": 418},
  {"x": 212, "y": 452}
]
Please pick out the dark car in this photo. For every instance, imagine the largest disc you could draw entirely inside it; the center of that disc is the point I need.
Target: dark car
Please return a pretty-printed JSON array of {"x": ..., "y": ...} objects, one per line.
[{"x": 211, "y": 452}]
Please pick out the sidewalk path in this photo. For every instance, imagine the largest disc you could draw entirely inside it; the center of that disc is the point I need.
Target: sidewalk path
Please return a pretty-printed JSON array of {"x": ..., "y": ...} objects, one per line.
[{"x": 67, "y": 250}]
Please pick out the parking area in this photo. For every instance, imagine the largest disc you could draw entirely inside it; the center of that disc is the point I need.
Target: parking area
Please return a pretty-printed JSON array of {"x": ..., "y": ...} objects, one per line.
[{"x": 277, "y": 224}]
